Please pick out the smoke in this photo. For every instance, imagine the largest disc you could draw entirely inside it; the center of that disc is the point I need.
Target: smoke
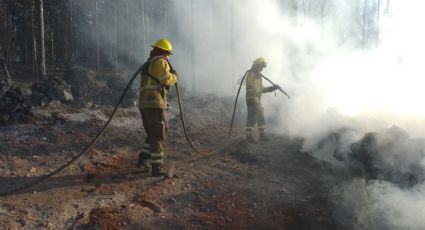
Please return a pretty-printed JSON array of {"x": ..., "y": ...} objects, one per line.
[
  {"x": 379, "y": 205},
  {"x": 347, "y": 72},
  {"x": 340, "y": 83},
  {"x": 224, "y": 39}
]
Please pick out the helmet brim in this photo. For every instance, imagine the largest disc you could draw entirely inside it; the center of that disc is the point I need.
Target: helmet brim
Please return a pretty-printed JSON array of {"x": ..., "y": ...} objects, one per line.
[{"x": 169, "y": 52}]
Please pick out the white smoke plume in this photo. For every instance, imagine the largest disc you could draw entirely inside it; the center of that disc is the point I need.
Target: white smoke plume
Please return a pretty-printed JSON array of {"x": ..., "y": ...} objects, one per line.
[{"x": 312, "y": 59}]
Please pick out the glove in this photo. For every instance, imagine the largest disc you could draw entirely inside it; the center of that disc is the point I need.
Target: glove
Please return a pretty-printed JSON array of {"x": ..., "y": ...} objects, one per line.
[{"x": 273, "y": 88}]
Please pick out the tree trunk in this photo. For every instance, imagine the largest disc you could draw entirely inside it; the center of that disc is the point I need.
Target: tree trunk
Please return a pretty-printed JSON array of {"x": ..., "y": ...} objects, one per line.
[
  {"x": 8, "y": 77},
  {"x": 387, "y": 8},
  {"x": 378, "y": 17},
  {"x": 364, "y": 23},
  {"x": 192, "y": 48},
  {"x": 164, "y": 11},
  {"x": 232, "y": 46},
  {"x": 2, "y": 45},
  {"x": 42, "y": 51},
  {"x": 97, "y": 38},
  {"x": 144, "y": 31},
  {"x": 52, "y": 40},
  {"x": 26, "y": 46},
  {"x": 129, "y": 35},
  {"x": 323, "y": 5},
  {"x": 69, "y": 45},
  {"x": 34, "y": 58},
  {"x": 133, "y": 46},
  {"x": 52, "y": 48},
  {"x": 116, "y": 37},
  {"x": 6, "y": 35}
]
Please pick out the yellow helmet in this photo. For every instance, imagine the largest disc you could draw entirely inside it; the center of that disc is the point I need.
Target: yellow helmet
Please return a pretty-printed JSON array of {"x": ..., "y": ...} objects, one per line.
[
  {"x": 164, "y": 44},
  {"x": 260, "y": 60}
]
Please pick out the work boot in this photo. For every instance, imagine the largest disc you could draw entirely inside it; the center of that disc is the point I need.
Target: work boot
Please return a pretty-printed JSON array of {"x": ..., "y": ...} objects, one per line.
[
  {"x": 264, "y": 138},
  {"x": 158, "y": 170},
  {"x": 143, "y": 160},
  {"x": 251, "y": 139}
]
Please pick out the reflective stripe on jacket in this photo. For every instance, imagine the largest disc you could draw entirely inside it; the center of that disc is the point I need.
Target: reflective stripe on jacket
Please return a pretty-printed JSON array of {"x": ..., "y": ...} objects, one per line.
[{"x": 156, "y": 79}]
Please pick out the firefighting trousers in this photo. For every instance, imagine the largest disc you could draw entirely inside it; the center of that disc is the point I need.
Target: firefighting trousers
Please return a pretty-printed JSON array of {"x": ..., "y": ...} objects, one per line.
[
  {"x": 155, "y": 123},
  {"x": 255, "y": 116}
]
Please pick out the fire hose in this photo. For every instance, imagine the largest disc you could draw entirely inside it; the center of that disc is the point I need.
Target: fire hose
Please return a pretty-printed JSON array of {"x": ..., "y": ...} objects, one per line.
[
  {"x": 84, "y": 151},
  {"x": 97, "y": 137},
  {"x": 103, "y": 129},
  {"x": 236, "y": 102}
]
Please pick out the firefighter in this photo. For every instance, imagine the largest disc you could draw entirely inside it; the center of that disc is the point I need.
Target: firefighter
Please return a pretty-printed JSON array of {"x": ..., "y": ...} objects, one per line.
[
  {"x": 157, "y": 76},
  {"x": 254, "y": 90}
]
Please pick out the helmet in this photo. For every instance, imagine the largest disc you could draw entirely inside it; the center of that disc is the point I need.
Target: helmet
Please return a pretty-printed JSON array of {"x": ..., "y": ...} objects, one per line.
[
  {"x": 260, "y": 60},
  {"x": 163, "y": 44}
]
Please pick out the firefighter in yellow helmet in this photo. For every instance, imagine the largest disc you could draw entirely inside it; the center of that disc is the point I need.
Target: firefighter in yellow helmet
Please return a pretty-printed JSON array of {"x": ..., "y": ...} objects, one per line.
[
  {"x": 254, "y": 90},
  {"x": 157, "y": 76}
]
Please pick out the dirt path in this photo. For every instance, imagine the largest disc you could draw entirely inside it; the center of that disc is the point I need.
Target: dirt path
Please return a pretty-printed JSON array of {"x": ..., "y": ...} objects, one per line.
[{"x": 267, "y": 186}]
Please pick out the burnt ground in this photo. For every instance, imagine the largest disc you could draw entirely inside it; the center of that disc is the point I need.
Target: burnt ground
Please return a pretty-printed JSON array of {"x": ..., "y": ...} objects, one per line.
[{"x": 242, "y": 186}]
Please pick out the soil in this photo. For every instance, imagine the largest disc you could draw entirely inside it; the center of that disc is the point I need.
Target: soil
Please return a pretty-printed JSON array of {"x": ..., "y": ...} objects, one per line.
[{"x": 269, "y": 185}]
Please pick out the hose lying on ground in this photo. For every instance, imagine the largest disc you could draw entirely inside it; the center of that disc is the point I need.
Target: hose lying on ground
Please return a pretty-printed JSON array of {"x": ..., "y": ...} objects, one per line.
[
  {"x": 84, "y": 151},
  {"x": 102, "y": 131}
]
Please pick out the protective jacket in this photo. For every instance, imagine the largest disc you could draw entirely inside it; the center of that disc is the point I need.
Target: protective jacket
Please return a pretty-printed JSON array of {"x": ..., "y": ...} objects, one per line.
[
  {"x": 254, "y": 87},
  {"x": 156, "y": 79}
]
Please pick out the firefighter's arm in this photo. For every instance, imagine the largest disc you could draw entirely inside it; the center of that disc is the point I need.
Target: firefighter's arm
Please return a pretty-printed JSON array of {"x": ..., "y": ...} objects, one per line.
[
  {"x": 270, "y": 89},
  {"x": 161, "y": 71}
]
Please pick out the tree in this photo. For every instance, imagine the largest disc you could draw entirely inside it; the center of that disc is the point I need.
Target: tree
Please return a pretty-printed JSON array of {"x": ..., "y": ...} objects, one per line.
[
  {"x": 97, "y": 36},
  {"x": 69, "y": 33},
  {"x": 33, "y": 39},
  {"x": 42, "y": 58}
]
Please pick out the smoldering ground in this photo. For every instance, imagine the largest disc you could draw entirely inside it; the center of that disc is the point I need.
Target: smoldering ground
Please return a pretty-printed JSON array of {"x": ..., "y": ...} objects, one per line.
[
  {"x": 364, "y": 94},
  {"x": 379, "y": 205}
]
